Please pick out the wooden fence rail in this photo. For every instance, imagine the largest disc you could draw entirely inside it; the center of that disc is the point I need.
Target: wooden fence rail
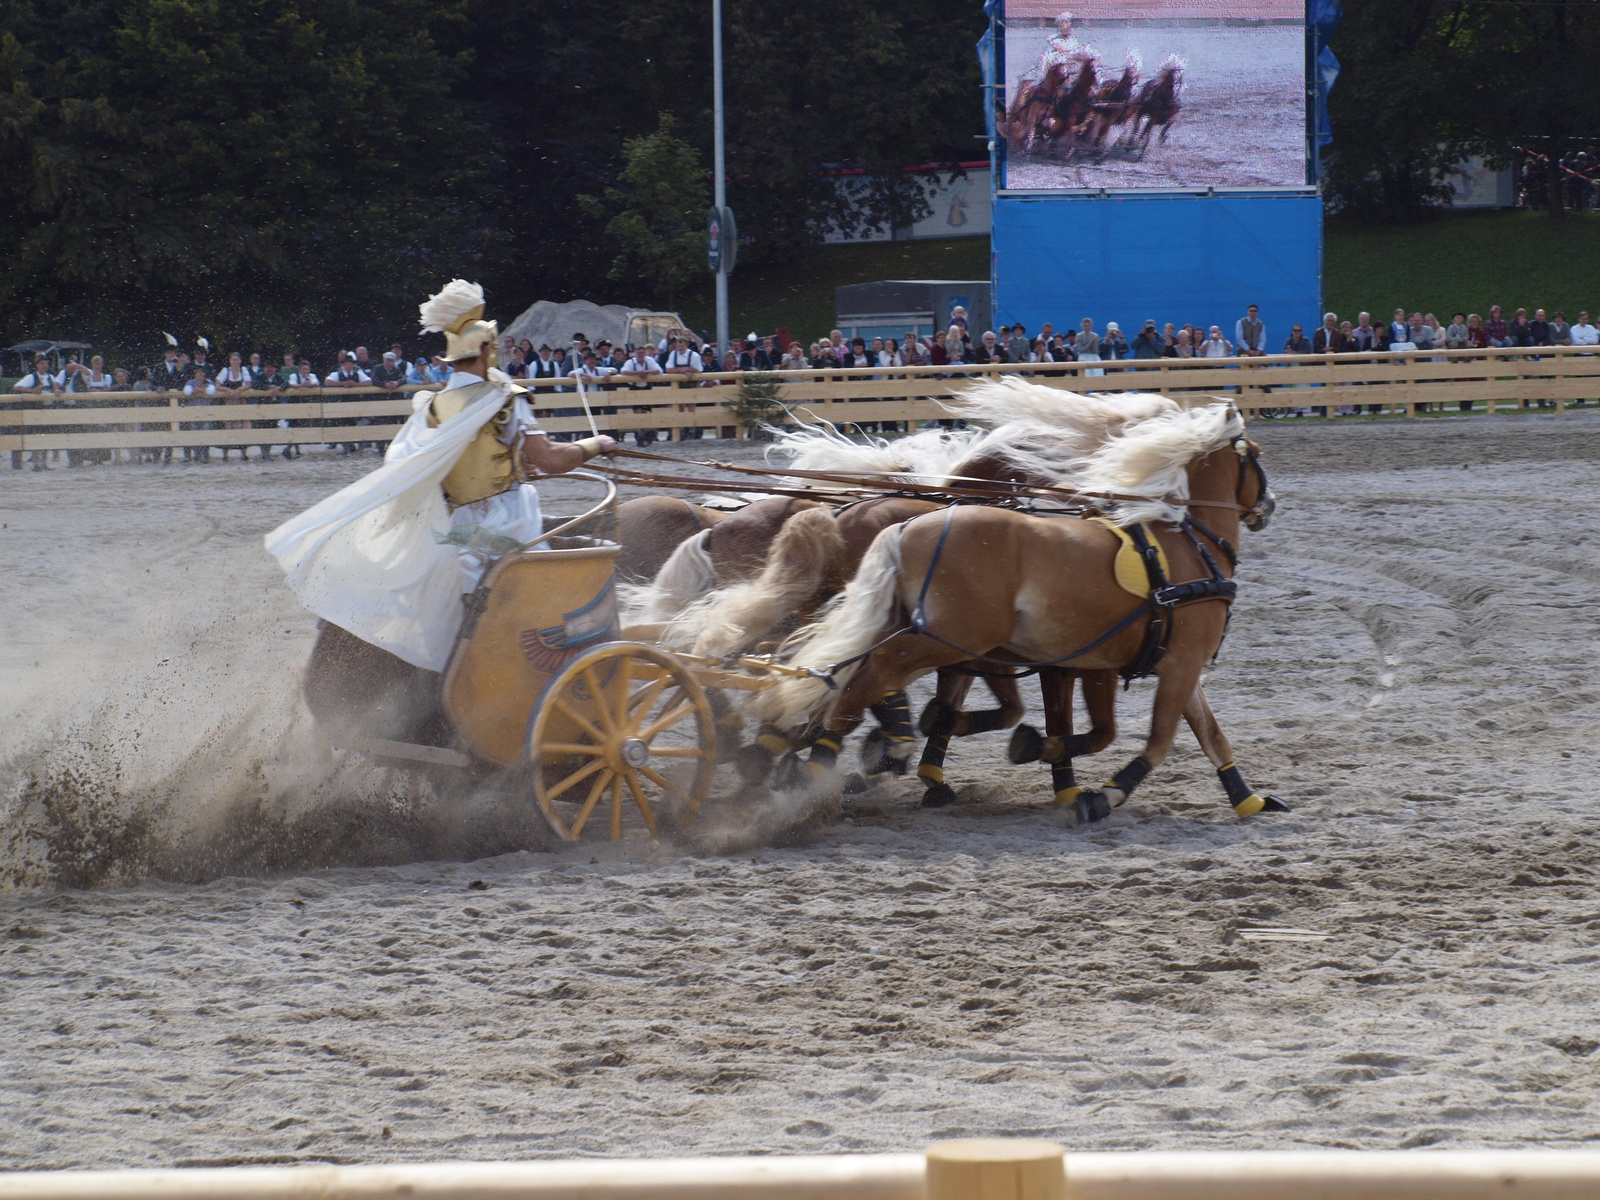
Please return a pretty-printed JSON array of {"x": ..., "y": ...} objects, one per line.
[
  {"x": 991, "y": 1174},
  {"x": 1398, "y": 382}
]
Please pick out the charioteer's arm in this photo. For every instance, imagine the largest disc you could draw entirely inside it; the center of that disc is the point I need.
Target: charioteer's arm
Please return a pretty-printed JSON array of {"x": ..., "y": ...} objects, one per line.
[{"x": 544, "y": 457}]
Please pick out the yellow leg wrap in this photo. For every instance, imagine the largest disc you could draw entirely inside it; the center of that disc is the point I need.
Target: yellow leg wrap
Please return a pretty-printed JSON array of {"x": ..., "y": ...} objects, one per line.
[
  {"x": 819, "y": 769},
  {"x": 1068, "y": 795},
  {"x": 930, "y": 773},
  {"x": 773, "y": 743},
  {"x": 1250, "y": 805}
]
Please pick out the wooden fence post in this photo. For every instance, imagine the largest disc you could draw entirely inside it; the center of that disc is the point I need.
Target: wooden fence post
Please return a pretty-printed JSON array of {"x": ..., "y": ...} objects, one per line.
[{"x": 996, "y": 1169}]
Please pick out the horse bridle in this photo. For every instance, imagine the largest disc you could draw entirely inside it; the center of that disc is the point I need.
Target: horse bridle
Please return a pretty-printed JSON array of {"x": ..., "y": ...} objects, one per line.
[{"x": 1266, "y": 503}]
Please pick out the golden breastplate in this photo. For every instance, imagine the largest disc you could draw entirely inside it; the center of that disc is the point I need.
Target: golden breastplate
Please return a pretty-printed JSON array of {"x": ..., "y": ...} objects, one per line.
[{"x": 487, "y": 467}]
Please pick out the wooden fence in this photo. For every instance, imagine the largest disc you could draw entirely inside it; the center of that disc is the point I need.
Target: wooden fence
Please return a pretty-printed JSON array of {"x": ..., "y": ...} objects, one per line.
[
  {"x": 951, "y": 1171},
  {"x": 1404, "y": 382}
]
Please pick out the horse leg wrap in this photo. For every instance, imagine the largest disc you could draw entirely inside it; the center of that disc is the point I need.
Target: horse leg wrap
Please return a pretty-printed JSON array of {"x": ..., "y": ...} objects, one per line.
[
  {"x": 1246, "y": 802},
  {"x": 755, "y": 760},
  {"x": 1064, "y": 749},
  {"x": 934, "y": 715},
  {"x": 894, "y": 714},
  {"x": 1130, "y": 777},
  {"x": 1065, "y": 783},
  {"x": 985, "y": 720},
  {"x": 824, "y": 753},
  {"x": 771, "y": 739},
  {"x": 729, "y": 725}
]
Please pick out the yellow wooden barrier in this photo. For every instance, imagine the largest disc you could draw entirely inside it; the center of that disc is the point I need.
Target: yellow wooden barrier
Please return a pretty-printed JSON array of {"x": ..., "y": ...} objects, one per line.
[
  {"x": 1395, "y": 382},
  {"x": 951, "y": 1171}
]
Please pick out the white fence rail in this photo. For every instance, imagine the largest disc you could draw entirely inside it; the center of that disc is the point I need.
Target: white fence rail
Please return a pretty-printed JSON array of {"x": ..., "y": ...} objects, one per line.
[{"x": 952, "y": 1171}]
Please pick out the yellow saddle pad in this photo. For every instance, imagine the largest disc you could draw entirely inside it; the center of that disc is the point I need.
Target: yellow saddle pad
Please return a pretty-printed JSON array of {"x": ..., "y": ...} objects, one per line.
[{"x": 1129, "y": 566}]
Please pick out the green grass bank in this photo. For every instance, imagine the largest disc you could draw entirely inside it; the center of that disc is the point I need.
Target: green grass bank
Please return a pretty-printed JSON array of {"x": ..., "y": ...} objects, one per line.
[{"x": 1458, "y": 261}]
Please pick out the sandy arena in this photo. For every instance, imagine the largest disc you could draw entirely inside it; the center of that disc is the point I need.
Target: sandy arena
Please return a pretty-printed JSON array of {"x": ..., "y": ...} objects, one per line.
[{"x": 218, "y": 945}]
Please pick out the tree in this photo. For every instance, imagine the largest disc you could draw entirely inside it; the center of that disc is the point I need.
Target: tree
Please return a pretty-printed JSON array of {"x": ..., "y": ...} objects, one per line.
[
  {"x": 254, "y": 173},
  {"x": 659, "y": 212}
]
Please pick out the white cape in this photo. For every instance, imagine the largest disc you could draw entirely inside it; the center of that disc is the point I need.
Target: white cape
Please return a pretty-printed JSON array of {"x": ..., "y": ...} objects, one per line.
[{"x": 366, "y": 558}]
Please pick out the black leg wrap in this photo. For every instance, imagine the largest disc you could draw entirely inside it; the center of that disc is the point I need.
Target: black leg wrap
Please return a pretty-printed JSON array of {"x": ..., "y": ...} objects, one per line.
[
  {"x": 935, "y": 716},
  {"x": 1065, "y": 749},
  {"x": 824, "y": 751},
  {"x": 894, "y": 714},
  {"x": 1233, "y": 783},
  {"x": 1245, "y": 801},
  {"x": 1027, "y": 745},
  {"x": 1062, "y": 777},
  {"x": 985, "y": 720},
  {"x": 1131, "y": 776}
]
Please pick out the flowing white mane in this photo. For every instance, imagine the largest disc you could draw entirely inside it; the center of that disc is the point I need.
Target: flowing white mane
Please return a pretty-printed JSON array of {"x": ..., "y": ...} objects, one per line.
[
  {"x": 1045, "y": 431},
  {"x": 1150, "y": 459},
  {"x": 923, "y": 457},
  {"x": 1042, "y": 430}
]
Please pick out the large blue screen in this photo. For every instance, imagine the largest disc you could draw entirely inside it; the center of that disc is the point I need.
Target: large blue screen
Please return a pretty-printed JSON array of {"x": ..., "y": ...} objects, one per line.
[{"x": 1183, "y": 259}]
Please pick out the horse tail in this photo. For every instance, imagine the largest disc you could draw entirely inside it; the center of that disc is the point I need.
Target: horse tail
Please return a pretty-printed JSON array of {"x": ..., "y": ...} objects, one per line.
[
  {"x": 686, "y": 576},
  {"x": 798, "y": 562},
  {"x": 850, "y": 627}
]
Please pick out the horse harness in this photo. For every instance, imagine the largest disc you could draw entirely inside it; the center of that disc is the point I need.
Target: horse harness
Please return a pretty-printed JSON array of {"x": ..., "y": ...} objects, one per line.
[{"x": 1165, "y": 596}]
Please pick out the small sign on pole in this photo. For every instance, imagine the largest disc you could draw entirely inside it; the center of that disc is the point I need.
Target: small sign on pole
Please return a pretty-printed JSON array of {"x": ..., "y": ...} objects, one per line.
[{"x": 722, "y": 241}]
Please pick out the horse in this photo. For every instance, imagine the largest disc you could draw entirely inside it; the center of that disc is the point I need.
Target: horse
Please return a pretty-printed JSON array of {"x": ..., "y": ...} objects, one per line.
[
  {"x": 1157, "y": 104},
  {"x": 1113, "y": 101},
  {"x": 1048, "y": 594},
  {"x": 1039, "y": 433},
  {"x": 650, "y": 528},
  {"x": 1052, "y": 110}
]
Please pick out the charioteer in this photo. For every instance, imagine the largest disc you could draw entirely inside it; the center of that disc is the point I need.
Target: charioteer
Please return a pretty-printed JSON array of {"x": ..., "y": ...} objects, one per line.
[{"x": 388, "y": 557}]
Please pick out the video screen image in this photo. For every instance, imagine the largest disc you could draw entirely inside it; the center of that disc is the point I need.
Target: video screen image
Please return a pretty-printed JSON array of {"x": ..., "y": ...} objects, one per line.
[{"x": 1131, "y": 94}]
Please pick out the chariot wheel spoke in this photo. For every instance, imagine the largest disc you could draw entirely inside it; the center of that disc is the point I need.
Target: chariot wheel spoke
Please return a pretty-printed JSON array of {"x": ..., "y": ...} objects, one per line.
[
  {"x": 667, "y": 786},
  {"x": 576, "y": 778},
  {"x": 589, "y": 801},
  {"x": 671, "y": 717},
  {"x": 616, "y": 808},
  {"x": 641, "y": 700},
  {"x": 577, "y": 718},
  {"x": 601, "y": 708},
  {"x": 572, "y": 748},
  {"x": 645, "y": 810}
]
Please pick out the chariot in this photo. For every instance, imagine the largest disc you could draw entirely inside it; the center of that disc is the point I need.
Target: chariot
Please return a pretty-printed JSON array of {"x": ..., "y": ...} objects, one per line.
[{"x": 545, "y": 693}]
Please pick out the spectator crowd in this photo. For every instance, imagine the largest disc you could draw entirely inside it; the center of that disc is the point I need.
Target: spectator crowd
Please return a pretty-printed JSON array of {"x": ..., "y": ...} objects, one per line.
[{"x": 680, "y": 358}]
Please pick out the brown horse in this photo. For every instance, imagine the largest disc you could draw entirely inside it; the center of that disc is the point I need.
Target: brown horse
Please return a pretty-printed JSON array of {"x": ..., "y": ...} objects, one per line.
[
  {"x": 650, "y": 528},
  {"x": 1048, "y": 594},
  {"x": 1157, "y": 104}
]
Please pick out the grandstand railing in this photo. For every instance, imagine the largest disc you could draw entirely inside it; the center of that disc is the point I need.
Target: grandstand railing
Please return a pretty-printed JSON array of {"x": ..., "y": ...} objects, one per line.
[{"x": 1402, "y": 382}]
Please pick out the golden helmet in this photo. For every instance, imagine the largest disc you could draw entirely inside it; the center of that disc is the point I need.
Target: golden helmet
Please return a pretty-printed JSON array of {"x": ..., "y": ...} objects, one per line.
[{"x": 457, "y": 312}]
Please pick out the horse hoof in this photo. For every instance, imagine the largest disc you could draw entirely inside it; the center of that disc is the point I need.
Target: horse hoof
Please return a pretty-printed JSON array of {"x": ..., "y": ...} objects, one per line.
[
  {"x": 1092, "y": 806},
  {"x": 855, "y": 783},
  {"x": 935, "y": 709},
  {"x": 938, "y": 796},
  {"x": 789, "y": 775},
  {"x": 1257, "y": 803},
  {"x": 875, "y": 753},
  {"x": 754, "y": 764},
  {"x": 1026, "y": 745},
  {"x": 1273, "y": 804}
]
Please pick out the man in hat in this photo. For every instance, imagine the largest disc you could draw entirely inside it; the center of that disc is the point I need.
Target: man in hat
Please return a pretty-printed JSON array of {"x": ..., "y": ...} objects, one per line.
[
  {"x": 753, "y": 357},
  {"x": 40, "y": 381},
  {"x": 388, "y": 557},
  {"x": 1063, "y": 50}
]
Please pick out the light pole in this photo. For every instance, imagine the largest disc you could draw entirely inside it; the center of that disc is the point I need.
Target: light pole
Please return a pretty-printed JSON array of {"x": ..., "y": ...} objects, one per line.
[{"x": 721, "y": 174}]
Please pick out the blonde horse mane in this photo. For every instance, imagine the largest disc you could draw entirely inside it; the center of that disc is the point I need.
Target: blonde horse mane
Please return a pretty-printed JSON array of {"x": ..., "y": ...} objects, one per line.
[
  {"x": 808, "y": 546},
  {"x": 1045, "y": 431},
  {"x": 1150, "y": 460}
]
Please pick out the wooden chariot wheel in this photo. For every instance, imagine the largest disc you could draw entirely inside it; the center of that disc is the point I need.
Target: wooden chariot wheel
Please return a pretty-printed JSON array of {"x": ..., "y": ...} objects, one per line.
[{"x": 626, "y": 723}]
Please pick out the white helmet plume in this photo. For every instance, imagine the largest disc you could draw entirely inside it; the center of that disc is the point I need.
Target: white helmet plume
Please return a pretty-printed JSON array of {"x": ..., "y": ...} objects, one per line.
[
  {"x": 203, "y": 344},
  {"x": 457, "y": 299},
  {"x": 171, "y": 341}
]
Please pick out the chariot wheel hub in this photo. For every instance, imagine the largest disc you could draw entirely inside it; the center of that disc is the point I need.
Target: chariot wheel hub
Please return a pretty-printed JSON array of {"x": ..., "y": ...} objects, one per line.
[{"x": 634, "y": 752}]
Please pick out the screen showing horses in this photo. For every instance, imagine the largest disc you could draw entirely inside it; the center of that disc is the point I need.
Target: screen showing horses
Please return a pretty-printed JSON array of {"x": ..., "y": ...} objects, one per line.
[{"x": 1153, "y": 94}]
